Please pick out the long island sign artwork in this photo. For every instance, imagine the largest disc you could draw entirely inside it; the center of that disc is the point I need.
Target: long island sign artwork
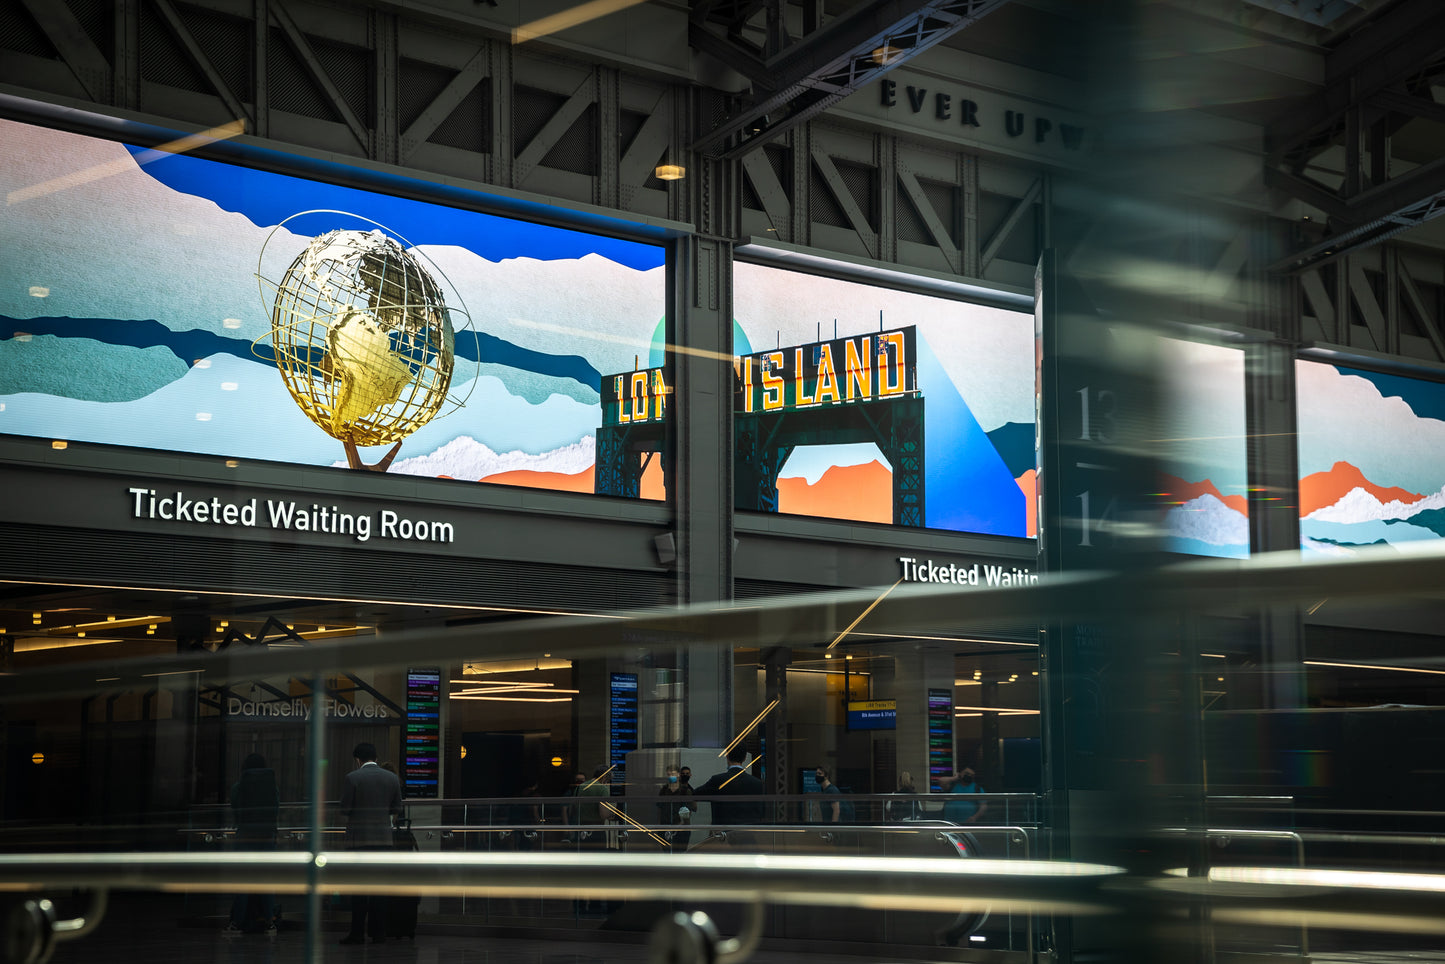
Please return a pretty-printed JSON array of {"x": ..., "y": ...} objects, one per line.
[{"x": 857, "y": 389}]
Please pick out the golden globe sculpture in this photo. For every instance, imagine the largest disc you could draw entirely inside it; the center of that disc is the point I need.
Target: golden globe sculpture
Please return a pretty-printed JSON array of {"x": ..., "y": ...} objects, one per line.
[{"x": 363, "y": 338}]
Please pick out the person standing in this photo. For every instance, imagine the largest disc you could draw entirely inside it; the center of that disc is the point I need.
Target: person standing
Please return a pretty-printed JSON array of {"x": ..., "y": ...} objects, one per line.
[
  {"x": 674, "y": 802},
  {"x": 960, "y": 809},
  {"x": 735, "y": 781},
  {"x": 370, "y": 799},
  {"x": 831, "y": 808},
  {"x": 256, "y": 804},
  {"x": 909, "y": 809}
]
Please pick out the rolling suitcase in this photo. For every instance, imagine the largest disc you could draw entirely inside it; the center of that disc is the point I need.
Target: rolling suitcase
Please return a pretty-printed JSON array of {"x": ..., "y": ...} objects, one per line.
[{"x": 401, "y": 911}]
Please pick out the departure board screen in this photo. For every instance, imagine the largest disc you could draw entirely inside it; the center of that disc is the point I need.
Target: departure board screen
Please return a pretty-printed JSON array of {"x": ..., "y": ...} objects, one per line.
[
  {"x": 421, "y": 757},
  {"x": 623, "y": 727},
  {"x": 940, "y": 738}
]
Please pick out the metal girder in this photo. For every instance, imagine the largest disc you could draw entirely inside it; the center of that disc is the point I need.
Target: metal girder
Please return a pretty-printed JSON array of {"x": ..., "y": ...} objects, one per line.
[
  {"x": 1385, "y": 56},
  {"x": 69, "y": 38},
  {"x": 1378, "y": 214},
  {"x": 1376, "y": 81},
  {"x": 448, "y": 100},
  {"x": 318, "y": 73},
  {"x": 840, "y": 58},
  {"x": 203, "y": 63}
]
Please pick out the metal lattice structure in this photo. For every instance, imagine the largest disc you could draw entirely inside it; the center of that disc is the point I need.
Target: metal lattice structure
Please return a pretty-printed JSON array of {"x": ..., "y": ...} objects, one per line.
[
  {"x": 623, "y": 452},
  {"x": 766, "y": 439}
]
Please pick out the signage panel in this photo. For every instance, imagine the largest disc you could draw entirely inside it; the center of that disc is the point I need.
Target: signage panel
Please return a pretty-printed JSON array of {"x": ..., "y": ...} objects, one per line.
[
  {"x": 421, "y": 753},
  {"x": 873, "y": 715},
  {"x": 622, "y": 727},
  {"x": 940, "y": 738},
  {"x": 863, "y": 368},
  {"x": 635, "y": 397}
]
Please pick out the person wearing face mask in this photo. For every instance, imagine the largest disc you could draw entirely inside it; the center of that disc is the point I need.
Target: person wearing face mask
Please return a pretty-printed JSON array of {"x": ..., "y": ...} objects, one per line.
[{"x": 674, "y": 802}]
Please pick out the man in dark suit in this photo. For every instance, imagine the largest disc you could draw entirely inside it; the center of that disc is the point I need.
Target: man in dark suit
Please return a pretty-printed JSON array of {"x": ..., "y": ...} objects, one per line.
[
  {"x": 735, "y": 781},
  {"x": 370, "y": 799}
]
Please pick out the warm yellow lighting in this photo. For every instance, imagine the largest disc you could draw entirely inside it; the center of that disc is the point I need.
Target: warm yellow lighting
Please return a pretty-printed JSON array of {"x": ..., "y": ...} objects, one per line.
[
  {"x": 464, "y": 753},
  {"x": 58, "y": 444},
  {"x": 492, "y": 667},
  {"x": 864, "y": 614},
  {"x": 886, "y": 54},
  {"x": 108, "y": 623},
  {"x": 1397, "y": 669},
  {"x": 556, "y": 761},
  {"x": 670, "y": 172},
  {"x": 81, "y": 635},
  {"x": 827, "y": 655},
  {"x": 39, "y": 644},
  {"x": 225, "y": 623},
  {"x": 38, "y": 759},
  {"x": 569, "y": 18},
  {"x": 1006, "y": 710},
  {"x": 517, "y": 699},
  {"x": 231, "y": 463},
  {"x": 849, "y": 656},
  {"x": 749, "y": 728}
]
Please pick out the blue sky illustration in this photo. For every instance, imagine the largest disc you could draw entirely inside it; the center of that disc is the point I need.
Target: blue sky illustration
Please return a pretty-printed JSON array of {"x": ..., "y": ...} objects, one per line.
[{"x": 267, "y": 199}]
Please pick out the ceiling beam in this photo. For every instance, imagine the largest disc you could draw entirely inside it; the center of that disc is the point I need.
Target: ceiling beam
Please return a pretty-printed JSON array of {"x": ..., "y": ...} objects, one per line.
[
  {"x": 806, "y": 78},
  {"x": 1378, "y": 214},
  {"x": 1411, "y": 37}
]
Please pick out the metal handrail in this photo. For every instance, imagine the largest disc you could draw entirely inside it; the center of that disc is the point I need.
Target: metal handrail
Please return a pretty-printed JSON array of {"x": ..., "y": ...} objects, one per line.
[
  {"x": 1290, "y": 835},
  {"x": 1271, "y": 895},
  {"x": 880, "y": 883}
]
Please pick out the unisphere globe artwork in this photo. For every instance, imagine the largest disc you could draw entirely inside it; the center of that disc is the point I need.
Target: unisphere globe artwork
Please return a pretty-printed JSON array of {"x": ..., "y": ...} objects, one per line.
[{"x": 363, "y": 339}]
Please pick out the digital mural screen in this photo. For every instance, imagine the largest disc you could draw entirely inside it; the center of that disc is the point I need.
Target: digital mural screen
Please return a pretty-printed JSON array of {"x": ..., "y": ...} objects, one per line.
[
  {"x": 866, "y": 403},
  {"x": 1202, "y": 457},
  {"x": 1371, "y": 458},
  {"x": 165, "y": 301}
]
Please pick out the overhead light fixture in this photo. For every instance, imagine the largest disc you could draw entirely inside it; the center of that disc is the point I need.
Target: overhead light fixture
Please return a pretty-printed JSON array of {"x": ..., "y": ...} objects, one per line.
[
  {"x": 39, "y": 644},
  {"x": 59, "y": 445},
  {"x": 670, "y": 172}
]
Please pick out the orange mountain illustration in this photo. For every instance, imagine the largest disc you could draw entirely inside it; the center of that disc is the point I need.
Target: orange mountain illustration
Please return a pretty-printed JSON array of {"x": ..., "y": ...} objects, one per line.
[
  {"x": 861, "y": 493},
  {"x": 1029, "y": 484},
  {"x": 585, "y": 481},
  {"x": 1180, "y": 492},
  {"x": 1326, "y": 488}
]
